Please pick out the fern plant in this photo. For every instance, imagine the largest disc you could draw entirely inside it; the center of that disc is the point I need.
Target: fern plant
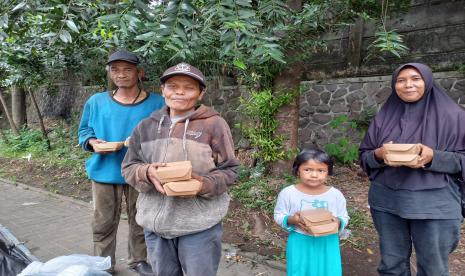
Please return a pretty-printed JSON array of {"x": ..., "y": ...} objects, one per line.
[{"x": 387, "y": 42}]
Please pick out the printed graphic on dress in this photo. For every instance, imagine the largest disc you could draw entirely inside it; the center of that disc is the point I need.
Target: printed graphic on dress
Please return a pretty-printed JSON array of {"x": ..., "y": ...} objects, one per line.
[{"x": 315, "y": 204}]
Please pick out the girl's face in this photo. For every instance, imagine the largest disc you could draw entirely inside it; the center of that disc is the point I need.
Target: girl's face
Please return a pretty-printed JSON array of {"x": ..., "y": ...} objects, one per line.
[{"x": 313, "y": 173}]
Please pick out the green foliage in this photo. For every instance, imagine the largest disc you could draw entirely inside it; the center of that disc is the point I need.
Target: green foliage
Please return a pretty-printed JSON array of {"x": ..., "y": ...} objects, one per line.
[
  {"x": 362, "y": 122},
  {"x": 41, "y": 41},
  {"x": 360, "y": 222},
  {"x": 255, "y": 194},
  {"x": 386, "y": 42},
  {"x": 31, "y": 145},
  {"x": 261, "y": 108},
  {"x": 256, "y": 191},
  {"x": 345, "y": 151},
  {"x": 461, "y": 68},
  {"x": 29, "y": 141},
  {"x": 240, "y": 37}
]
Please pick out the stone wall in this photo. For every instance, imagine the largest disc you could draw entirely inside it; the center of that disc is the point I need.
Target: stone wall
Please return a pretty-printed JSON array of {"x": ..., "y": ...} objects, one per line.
[
  {"x": 323, "y": 101},
  {"x": 66, "y": 100},
  {"x": 224, "y": 95},
  {"x": 60, "y": 101},
  {"x": 320, "y": 102}
]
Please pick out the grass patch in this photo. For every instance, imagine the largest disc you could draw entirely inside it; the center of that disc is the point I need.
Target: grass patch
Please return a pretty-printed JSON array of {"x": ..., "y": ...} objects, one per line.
[
  {"x": 360, "y": 223},
  {"x": 257, "y": 192},
  {"x": 65, "y": 153}
]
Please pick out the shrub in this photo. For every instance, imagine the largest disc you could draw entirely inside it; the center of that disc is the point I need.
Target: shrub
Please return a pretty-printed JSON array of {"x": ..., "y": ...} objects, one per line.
[{"x": 344, "y": 150}]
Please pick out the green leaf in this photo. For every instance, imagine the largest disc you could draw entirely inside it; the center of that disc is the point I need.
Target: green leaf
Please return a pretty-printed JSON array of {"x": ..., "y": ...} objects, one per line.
[
  {"x": 239, "y": 64},
  {"x": 4, "y": 21},
  {"x": 65, "y": 36},
  {"x": 72, "y": 26},
  {"x": 110, "y": 18},
  {"x": 186, "y": 6},
  {"x": 48, "y": 35},
  {"x": 180, "y": 32},
  {"x": 146, "y": 36},
  {"x": 19, "y": 6}
]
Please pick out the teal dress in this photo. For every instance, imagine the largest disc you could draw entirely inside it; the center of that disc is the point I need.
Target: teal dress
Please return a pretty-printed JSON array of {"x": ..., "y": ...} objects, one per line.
[
  {"x": 313, "y": 256},
  {"x": 309, "y": 255}
]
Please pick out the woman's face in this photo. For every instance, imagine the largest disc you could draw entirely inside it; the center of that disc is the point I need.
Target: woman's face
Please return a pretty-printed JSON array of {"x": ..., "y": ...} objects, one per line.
[
  {"x": 410, "y": 85},
  {"x": 181, "y": 94}
]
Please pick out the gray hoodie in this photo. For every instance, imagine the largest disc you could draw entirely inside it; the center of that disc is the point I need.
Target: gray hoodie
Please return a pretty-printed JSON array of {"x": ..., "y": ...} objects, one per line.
[{"x": 205, "y": 139}]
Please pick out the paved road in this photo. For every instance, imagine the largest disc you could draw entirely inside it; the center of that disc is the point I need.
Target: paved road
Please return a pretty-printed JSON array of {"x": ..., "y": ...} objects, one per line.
[{"x": 52, "y": 225}]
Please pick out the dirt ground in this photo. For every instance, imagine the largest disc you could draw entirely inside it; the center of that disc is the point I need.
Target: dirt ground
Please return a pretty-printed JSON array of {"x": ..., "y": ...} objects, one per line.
[{"x": 249, "y": 230}]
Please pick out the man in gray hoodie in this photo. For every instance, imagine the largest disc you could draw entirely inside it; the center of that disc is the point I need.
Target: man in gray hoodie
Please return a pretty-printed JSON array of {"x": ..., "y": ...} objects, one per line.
[{"x": 182, "y": 233}]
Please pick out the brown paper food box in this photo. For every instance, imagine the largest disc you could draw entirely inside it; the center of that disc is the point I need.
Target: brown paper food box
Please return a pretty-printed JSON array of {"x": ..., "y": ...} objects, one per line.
[
  {"x": 319, "y": 222},
  {"x": 108, "y": 146},
  {"x": 177, "y": 180},
  {"x": 175, "y": 171},
  {"x": 182, "y": 188},
  {"x": 402, "y": 154}
]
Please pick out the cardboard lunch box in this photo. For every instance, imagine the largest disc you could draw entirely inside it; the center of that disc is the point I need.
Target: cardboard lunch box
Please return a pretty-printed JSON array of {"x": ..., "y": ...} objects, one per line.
[
  {"x": 108, "y": 146},
  {"x": 402, "y": 154},
  {"x": 182, "y": 188},
  {"x": 319, "y": 222},
  {"x": 175, "y": 171}
]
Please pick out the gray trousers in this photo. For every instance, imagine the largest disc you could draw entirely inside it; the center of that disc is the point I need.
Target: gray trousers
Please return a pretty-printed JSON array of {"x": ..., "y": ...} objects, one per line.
[
  {"x": 433, "y": 240},
  {"x": 196, "y": 254},
  {"x": 107, "y": 200}
]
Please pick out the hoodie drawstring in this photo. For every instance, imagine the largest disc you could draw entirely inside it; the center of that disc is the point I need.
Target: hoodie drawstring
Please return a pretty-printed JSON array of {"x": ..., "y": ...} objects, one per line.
[
  {"x": 160, "y": 123},
  {"x": 184, "y": 140}
]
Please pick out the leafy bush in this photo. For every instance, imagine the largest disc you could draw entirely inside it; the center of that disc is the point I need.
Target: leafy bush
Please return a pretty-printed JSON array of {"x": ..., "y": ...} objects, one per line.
[
  {"x": 364, "y": 119},
  {"x": 345, "y": 151},
  {"x": 255, "y": 194},
  {"x": 65, "y": 152},
  {"x": 29, "y": 141},
  {"x": 258, "y": 192},
  {"x": 260, "y": 129}
]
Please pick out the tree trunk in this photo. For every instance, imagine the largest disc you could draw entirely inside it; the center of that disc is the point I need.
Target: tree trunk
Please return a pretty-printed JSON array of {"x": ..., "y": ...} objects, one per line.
[
  {"x": 7, "y": 114},
  {"x": 18, "y": 106},
  {"x": 39, "y": 115},
  {"x": 288, "y": 116}
]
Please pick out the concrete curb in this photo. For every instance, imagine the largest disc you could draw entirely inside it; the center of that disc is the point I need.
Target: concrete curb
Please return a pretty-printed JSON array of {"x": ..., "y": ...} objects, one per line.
[{"x": 42, "y": 191}]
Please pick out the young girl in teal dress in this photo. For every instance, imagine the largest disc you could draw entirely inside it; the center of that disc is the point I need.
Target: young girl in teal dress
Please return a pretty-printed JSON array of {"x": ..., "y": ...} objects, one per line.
[{"x": 308, "y": 255}]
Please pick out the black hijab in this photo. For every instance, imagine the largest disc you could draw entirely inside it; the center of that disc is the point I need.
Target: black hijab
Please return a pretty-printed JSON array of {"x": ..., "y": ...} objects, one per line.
[{"x": 435, "y": 121}]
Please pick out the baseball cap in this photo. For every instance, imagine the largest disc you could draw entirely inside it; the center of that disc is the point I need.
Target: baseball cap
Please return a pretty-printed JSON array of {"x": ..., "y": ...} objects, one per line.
[
  {"x": 124, "y": 56},
  {"x": 184, "y": 69}
]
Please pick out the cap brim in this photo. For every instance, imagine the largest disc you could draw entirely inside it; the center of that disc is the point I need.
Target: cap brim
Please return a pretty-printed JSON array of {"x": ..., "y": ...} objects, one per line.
[
  {"x": 122, "y": 59},
  {"x": 188, "y": 74}
]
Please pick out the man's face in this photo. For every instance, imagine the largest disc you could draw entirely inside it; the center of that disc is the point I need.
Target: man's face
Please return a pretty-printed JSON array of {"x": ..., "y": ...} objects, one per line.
[
  {"x": 181, "y": 94},
  {"x": 124, "y": 74}
]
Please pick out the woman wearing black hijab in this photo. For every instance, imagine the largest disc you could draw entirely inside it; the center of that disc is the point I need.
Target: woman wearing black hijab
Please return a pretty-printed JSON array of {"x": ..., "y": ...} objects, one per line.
[{"x": 419, "y": 205}]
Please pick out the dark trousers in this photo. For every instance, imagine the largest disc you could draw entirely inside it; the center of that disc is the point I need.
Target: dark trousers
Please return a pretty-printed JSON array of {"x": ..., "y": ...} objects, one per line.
[
  {"x": 196, "y": 254},
  {"x": 433, "y": 240},
  {"x": 107, "y": 200}
]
